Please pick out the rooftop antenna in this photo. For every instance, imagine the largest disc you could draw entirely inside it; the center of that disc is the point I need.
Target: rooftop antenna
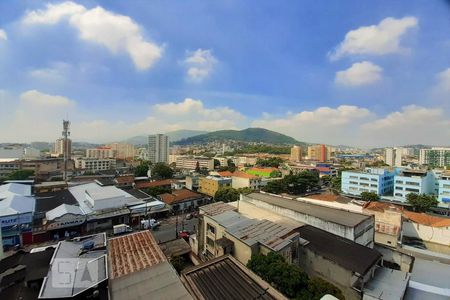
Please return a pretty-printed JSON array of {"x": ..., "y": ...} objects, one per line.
[{"x": 66, "y": 134}]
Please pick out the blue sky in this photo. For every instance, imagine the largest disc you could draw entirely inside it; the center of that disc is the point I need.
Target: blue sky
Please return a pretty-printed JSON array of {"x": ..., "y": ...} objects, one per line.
[{"x": 337, "y": 72}]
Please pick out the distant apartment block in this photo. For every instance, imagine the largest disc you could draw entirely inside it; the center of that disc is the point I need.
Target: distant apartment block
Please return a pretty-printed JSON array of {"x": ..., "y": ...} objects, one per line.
[
  {"x": 393, "y": 156},
  {"x": 95, "y": 164},
  {"x": 435, "y": 157},
  {"x": 296, "y": 154},
  {"x": 320, "y": 153},
  {"x": 158, "y": 148},
  {"x": 60, "y": 147},
  {"x": 376, "y": 180},
  {"x": 100, "y": 152},
  {"x": 191, "y": 163},
  {"x": 123, "y": 150}
]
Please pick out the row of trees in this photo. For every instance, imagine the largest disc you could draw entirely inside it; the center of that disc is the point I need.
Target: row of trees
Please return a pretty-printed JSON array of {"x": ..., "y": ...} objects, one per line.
[
  {"x": 289, "y": 279},
  {"x": 230, "y": 194},
  {"x": 273, "y": 162},
  {"x": 294, "y": 184},
  {"x": 158, "y": 170},
  {"x": 18, "y": 175}
]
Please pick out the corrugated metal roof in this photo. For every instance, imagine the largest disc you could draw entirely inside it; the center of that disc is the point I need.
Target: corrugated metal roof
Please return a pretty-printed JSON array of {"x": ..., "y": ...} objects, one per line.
[{"x": 225, "y": 278}]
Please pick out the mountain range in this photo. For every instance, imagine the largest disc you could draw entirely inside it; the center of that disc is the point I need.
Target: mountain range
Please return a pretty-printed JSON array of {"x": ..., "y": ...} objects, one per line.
[
  {"x": 251, "y": 135},
  {"x": 174, "y": 136}
]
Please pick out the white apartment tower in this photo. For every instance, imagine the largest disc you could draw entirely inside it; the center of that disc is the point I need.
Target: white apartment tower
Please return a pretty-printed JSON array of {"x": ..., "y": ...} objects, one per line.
[
  {"x": 158, "y": 148},
  {"x": 393, "y": 156}
]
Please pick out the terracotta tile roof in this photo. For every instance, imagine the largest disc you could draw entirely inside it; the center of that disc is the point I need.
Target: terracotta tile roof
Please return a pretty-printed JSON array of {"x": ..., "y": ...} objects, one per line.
[
  {"x": 125, "y": 179},
  {"x": 133, "y": 252},
  {"x": 425, "y": 219},
  {"x": 324, "y": 197},
  {"x": 225, "y": 173},
  {"x": 381, "y": 206},
  {"x": 146, "y": 184},
  {"x": 243, "y": 175},
  {"x": 179, "y": 196}
]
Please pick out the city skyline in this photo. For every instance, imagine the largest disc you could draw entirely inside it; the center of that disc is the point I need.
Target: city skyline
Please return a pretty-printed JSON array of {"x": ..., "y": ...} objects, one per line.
[{"x": 377, "y": 75}]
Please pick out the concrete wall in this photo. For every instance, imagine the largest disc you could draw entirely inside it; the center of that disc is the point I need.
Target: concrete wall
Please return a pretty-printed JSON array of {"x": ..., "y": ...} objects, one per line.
[
  {"x": 318, "y": 266},
  {"x": 438, "y": 235},
  {"x": 405, "y": 261}
]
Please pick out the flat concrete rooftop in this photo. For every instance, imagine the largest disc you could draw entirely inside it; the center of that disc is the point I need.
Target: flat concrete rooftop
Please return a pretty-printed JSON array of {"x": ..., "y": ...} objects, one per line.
[{"x": 338, "y": 216}]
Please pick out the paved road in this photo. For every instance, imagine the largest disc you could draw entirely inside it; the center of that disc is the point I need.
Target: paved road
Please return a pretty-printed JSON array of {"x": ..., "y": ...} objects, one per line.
[{"x": 167, "y": 230}]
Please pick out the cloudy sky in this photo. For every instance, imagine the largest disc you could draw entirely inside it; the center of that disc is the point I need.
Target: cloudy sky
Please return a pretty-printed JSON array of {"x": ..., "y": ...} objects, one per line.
[{"x": 343, "y": 72}]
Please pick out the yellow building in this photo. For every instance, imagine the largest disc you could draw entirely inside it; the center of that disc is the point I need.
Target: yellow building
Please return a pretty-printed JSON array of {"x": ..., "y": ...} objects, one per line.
[
  {"x": 210, "y": 185},
  {"x": 296, "y": 154}
]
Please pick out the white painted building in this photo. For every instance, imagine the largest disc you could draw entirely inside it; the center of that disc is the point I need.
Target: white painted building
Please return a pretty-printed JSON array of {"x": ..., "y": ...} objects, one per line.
[
  {"x": 158, "y": 148},
  {"x": 190, "y": 162},
  {"x": 95, "y": 164},
  {"x": 100, "y": 152},
  {"x": 413, "y": 181}
]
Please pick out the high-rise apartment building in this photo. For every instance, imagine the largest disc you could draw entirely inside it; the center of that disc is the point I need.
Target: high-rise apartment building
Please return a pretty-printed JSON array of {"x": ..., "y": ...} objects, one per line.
[
  {"x": 296, "y": 153},
  {"x": 320, "y": 153},
  {"x": 435, "y": 157},
  {"x": 60, "y": 147},
  {"x": 123, "y": 150},
  {"x": 158, "y": 148},
  {"x": 393, "y": 156}
]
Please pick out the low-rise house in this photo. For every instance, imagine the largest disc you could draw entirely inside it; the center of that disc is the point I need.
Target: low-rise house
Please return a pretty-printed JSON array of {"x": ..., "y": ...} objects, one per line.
[
  {"x": 139, "y": 270},
  {"x": 124, "y": 181},
  {"x": 226, "y": 278},
  {"x": 388, "y": 222},
  {"x": 210, "y": 185},
  {"x": 192, "y": 182},
  {"x": 184, "y": 200},
  {"x": 164, "y": 184},
  {"x": 245, "y": 180},
  {"x": 351, "y": 225}
]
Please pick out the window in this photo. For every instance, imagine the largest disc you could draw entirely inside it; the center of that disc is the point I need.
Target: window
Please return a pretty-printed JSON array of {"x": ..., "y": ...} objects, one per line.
[
  {"x": 412, "y": 190},
  {"x": 398, "y": 195},
  {"x": 412, "y": 183},
  {"x": 399, "y": 182},
  {"x": 211, "y": 229},
  {"x": 399, "y": 188}
]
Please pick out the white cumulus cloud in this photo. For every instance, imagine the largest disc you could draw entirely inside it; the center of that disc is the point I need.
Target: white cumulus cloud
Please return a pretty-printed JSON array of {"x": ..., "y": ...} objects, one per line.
[
  {"x": 324, "y": 124},
  {"x": 118, "y": 33},
  {"x": 3, "y": 35},
  {"x": 359, "y": 74},
  {"x": 200, "y": 63},
  {"x": 443, "y": 81},
  {"x": 37, "y": 98},
  {"x": 380, "y": 39},
  {"x": 411, "y": 125}
]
